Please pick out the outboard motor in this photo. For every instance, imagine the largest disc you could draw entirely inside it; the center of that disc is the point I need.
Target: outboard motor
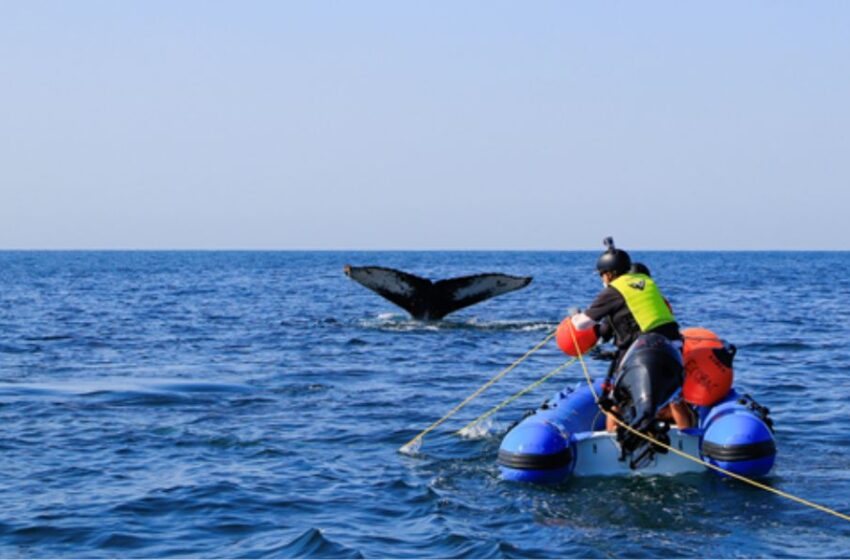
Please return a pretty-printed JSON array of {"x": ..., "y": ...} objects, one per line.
[{"x": 650, "y": 375}]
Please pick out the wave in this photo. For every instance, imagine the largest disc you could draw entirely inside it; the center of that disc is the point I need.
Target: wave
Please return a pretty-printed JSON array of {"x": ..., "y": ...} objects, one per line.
[
  {"x": 356, "y": 342},
  {"x": 47, "y": 338},
  {"x": 14, "y": 349},
  {"x": 40, "y": 535},
  {"x": 312, "y": 543},
  {"x": 122, "y": 541},
  {"x": 137, "y": 391},
  {"x": 301, "y": 389},
  {"x": 458, "y": 545},
  {"x": 784, "y": 346}
]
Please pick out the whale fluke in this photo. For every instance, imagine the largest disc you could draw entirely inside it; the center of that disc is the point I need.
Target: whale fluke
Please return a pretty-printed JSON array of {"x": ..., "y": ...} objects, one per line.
[{"x": 425, "y": 299}]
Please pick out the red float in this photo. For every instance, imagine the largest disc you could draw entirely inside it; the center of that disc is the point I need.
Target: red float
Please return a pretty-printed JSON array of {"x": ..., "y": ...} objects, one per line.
[
  {"x": 567, "y": 335},
  {"x": 708, "y": 367}
]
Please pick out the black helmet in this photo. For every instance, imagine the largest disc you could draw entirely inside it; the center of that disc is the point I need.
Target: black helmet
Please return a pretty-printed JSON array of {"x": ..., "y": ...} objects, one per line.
[
  {"x": 613, "y": 259},
  {"x": 639, "y": 268}
]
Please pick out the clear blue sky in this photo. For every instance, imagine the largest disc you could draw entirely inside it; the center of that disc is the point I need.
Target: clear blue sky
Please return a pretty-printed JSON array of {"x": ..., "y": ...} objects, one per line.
[{"x": 424, "y": 125}]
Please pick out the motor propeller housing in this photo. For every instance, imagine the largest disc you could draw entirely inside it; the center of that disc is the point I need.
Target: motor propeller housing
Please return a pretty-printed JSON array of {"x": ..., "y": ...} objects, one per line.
[{"x": 649, "y": 378}]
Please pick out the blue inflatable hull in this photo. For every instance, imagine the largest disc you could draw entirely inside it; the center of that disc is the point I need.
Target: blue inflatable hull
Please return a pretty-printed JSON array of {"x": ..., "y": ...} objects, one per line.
[
  {"x": 542, "y": 448},
  {"x": 736, "y": 436},
  {"x": 565, "y": 437}
]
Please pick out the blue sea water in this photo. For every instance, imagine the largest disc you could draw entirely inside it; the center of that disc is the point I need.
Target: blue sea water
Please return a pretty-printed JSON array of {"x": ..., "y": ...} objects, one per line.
[{"x": 251, "y": 404}]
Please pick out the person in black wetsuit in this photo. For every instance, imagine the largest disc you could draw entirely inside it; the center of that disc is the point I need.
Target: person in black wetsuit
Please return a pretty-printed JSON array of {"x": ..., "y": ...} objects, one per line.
[
  {"x": 629, "y": 305},
  {"x": 639, "y": 268}
]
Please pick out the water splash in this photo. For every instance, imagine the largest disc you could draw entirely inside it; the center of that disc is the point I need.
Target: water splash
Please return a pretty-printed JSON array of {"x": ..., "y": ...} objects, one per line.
[
  {"x": 411, "y": 448},
  {"x": 404, "y": 323},
  {"x": 479, "y": 430}
]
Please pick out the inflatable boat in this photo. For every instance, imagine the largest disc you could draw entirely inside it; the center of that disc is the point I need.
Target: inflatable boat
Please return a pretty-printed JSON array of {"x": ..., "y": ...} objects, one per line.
[{"x": 566, "y": 436}]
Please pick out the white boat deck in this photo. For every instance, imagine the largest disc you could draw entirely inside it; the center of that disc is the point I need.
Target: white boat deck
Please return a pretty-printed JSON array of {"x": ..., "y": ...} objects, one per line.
[{"x": 597, "y": 454}]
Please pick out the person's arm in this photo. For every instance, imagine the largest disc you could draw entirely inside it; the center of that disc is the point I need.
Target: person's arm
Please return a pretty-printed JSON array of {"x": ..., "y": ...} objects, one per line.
[
  {"x": 604, "y": 331},
  {"x": 604, "y": 305},
  {"x": 582, "y": 322}
]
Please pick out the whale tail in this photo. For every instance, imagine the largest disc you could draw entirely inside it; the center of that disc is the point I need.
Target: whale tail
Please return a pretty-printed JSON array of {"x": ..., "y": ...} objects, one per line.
[{"x": 425, "y": 299}]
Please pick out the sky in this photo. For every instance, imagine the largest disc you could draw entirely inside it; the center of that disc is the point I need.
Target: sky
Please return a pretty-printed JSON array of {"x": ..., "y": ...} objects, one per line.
[{"x": 424, "y": 125}]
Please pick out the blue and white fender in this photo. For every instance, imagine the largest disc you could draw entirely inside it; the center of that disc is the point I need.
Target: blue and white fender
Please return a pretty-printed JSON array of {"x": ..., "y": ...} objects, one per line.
[
  {"x": 737, "y": 436},
  {"x": 542, "y": 447}
]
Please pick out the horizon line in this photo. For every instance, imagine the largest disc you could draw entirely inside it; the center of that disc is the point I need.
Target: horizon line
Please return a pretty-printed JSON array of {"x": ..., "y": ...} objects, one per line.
[{"x": 390, "y": 250}]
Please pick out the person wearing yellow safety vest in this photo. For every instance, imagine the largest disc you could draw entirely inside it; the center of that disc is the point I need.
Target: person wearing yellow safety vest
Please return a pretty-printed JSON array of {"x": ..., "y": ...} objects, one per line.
[{"x": 629, "y": 305}]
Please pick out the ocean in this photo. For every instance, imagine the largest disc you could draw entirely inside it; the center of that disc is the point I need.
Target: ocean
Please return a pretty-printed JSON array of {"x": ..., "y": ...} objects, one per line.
[{"x": 251, "y": 404}]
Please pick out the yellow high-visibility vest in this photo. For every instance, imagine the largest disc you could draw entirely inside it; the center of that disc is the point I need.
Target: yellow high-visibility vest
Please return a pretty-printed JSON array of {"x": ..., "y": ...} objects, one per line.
[{"x": 644, "y": 300}]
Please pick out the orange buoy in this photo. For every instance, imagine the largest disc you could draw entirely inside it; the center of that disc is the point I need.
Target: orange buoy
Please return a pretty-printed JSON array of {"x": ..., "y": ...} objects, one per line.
[
  {"x": 564, "y": 337},
  {"x": 697, "y": 337},
  {"x": 708, "y": 367}
]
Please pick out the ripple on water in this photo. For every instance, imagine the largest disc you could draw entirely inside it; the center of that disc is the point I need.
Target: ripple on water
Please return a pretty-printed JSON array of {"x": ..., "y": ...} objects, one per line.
[
  {"x": 48, "y": 338},
  {"x": 20, "y": 349},
  {"x": 312, "y": 543},
  {"x": 403, "y": 323}
]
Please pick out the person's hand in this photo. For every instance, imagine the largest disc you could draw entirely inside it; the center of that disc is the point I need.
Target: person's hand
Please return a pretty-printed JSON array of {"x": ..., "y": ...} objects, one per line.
[{"x": 599, "y": 353}]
